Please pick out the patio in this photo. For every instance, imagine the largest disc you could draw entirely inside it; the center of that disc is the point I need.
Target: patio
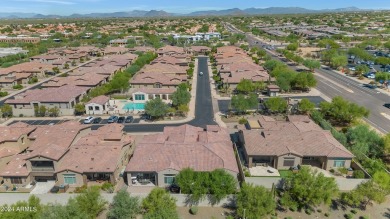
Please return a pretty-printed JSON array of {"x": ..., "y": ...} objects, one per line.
[{"x": 263, "y": 171}]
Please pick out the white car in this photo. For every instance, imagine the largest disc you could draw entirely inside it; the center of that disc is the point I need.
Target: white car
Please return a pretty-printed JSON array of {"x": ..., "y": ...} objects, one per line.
[
  {"x": 88, "y": 120},
  {"x": 200, "y": 73}
]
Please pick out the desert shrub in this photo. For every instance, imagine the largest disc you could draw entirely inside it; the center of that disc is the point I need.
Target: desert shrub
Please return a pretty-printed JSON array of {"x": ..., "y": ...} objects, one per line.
[
  {"x": 194, "y": 210},
  {"x": 242, "y": 121}
]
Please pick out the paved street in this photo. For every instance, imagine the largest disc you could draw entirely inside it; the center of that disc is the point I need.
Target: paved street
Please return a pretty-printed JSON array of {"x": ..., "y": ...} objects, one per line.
[
  {"x": 332, "y": 84},
  {"x": 203, "y": 108}
]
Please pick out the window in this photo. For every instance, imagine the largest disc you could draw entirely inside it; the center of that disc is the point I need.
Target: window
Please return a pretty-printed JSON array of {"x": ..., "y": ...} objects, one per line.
[
  {"x": 16, "y": 180},
  {"x": 157, "y": 85},
  {"x": 90, "y": 107},
  {"x": 169, "y": 178},
  {"x": 97, "y": 108},
  {"x": 139, "y": 97},
  {"x": 70, "y": 178},
  {"x": 288, "y": 161},
  {"x": 339, "y": 163}
]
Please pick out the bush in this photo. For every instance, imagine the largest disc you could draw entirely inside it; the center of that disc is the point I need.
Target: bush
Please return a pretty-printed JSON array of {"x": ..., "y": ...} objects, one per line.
[
  {"x": 17, "y": 87},
  {"x": 242, "y": 121},
  {"x": 343, "y": 170},
  {"x": 3, "y": 93},
  {"x": 363, "y": 217},
  {"x": 353, "y": 211},
  {"x": 293, "y": 208},
  {"x": 331, "y": 170},
  {"x": 308, "y": 211},
  {"x": 80, "y": 189},
  {"x": 326, "y": 214},
  {"x": 288, "y": 217},
  {"x": 194, "y": 210},
  {"x": 319, "y": 210},
  {"x": 247, "y": 173},
  {"x": 348, "y": 216},
  {"x": 107, "y": 187},
  {"x": 358, "y": 174},
  {"x": 21, "y": 115}
]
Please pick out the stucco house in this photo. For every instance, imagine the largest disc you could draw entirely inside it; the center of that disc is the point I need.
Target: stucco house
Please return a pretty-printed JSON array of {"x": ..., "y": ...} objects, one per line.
[
  {"x": 297, "y": 141},
  {"x": 97, "y": 105},
  {"x": 159, "y": 157},
  {"x": 64, "y": 97}
]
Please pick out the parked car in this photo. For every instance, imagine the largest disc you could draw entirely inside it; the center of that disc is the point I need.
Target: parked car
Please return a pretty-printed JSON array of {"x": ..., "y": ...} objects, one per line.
[
  {"x": 200, "y": 73},
  {"x": 97, "y": 120},
  {"x": 88, "y": 120},
  {"x": 112, "y": 119},
  {"x": 129, "y": 119},
  {"x": 121, "y": 119},
  {"x": 352, "y": 69}
]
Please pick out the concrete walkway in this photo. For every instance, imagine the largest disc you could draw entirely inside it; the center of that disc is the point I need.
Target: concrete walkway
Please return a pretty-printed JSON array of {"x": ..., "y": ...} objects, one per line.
[{"x": 43, "y": 187}]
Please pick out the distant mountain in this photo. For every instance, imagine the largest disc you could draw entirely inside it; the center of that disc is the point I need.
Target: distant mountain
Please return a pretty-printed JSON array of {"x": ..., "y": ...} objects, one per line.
[
  {"x": 155, "y": 13},
  {"x": 233, "y": 11}
]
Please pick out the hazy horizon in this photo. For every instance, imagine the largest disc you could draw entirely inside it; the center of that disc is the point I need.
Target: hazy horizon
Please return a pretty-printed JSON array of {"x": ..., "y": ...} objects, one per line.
[{"x": 68, "y": 7}]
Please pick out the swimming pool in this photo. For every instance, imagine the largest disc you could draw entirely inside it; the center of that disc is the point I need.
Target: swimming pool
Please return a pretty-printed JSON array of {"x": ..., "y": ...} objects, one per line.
[{"x": 134, "y": 106}]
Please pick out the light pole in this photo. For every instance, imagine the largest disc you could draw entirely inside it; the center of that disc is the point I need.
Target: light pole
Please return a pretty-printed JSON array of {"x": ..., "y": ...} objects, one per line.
[{"x": 244, "y": 213}]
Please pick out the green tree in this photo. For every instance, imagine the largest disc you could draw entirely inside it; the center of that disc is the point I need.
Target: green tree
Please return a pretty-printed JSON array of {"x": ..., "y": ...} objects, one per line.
[
  {"x": 242, "y": 103},
  {"x": 124, "y": 206},
  {"x": 304, "y": 80},
  {"x": 69, "y": 211},
  {"x": 360, "y": 53},
  {"x": 254, "y": 202},
  {"x": 66, "y": 66},
  {"x": 79, "y": 109},
  {"x": 245, "y": 86},
  {"x": 381, "y": 77},
  {"x": 156, "y": 108},
  {"x": 54, "y": 112},
  {"x": 305, "y": 106},
  {"x": 309, "y": 189},
  {"x": 159, "y": 200},
  {"x": 361, "y": 69},
  {"x": 162, "y": 214},
  {"x": 311, "y": 64},
  {"x": 292, "y": 46},
  {"x": 341, "y": 111},
  {"x": 184, "y": 109},
  {"x": 32, "y": 203},
  {"x": 181, "y": 97},
  {"x": 6, "y": 110},
  {"x": 339, "y": 61},
  {"x": 276, "y": 104},
  {"x": 91, "y": 202},
  {"x": 259, "y": 86}
]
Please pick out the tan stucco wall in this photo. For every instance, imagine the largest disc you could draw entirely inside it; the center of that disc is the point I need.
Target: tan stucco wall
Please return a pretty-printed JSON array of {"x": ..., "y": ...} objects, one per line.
[
  {"x": 160, "y": 176},
  {"x": 330, "y": 163},
  {"x": 79, "y": 178},
  {"x": 280, "y": 161},
  {"x": 25, "y": 181}
]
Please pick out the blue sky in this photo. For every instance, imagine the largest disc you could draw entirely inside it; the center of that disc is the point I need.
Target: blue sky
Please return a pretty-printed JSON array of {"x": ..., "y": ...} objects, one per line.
[{"x": 66, "y": 7}]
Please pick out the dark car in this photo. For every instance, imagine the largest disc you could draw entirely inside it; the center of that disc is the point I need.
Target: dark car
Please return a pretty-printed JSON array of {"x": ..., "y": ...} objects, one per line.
[
  {"x": 97, "y": 120},
  {"x": 387, "y": 105},
  {"x": 112, "y": 119},
  {"x": 121, "y": 119},
  {"x": 174, "y": 188},
  {"x": 129, "y": 119}
]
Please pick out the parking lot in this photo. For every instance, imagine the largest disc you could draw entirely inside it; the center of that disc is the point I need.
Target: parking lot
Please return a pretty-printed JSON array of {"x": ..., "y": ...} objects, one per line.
[{"x": 58, "y": 121}]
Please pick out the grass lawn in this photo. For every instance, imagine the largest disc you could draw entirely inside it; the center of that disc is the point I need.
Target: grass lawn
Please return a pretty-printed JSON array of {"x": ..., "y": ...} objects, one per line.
[{"x": 285, "y": 173}]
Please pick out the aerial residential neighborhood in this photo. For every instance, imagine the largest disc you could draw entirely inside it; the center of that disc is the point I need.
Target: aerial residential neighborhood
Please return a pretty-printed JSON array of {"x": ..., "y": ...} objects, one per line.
[{"x": 187, "y": 110}]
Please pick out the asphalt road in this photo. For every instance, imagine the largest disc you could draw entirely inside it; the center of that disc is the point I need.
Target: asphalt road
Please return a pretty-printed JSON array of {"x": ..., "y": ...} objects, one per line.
[
  {"x": 333, "y": 84},
  {"x": 203, "y": 108}
]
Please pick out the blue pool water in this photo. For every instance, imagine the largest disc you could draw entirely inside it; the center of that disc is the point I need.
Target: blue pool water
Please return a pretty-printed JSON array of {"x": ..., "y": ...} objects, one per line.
[{"x": 134, "y": 106}]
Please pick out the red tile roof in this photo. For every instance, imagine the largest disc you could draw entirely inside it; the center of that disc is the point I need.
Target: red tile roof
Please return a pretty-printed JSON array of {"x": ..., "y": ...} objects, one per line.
[
  {"x": 184, "y": 146},
  {"x": 300, "y": 136},
  {"x": 101, "y": 100},
  {"x": 15, "y": 131}
]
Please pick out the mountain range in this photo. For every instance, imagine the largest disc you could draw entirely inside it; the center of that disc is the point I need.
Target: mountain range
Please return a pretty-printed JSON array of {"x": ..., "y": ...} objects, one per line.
[{"x": 155, "y": 13}]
